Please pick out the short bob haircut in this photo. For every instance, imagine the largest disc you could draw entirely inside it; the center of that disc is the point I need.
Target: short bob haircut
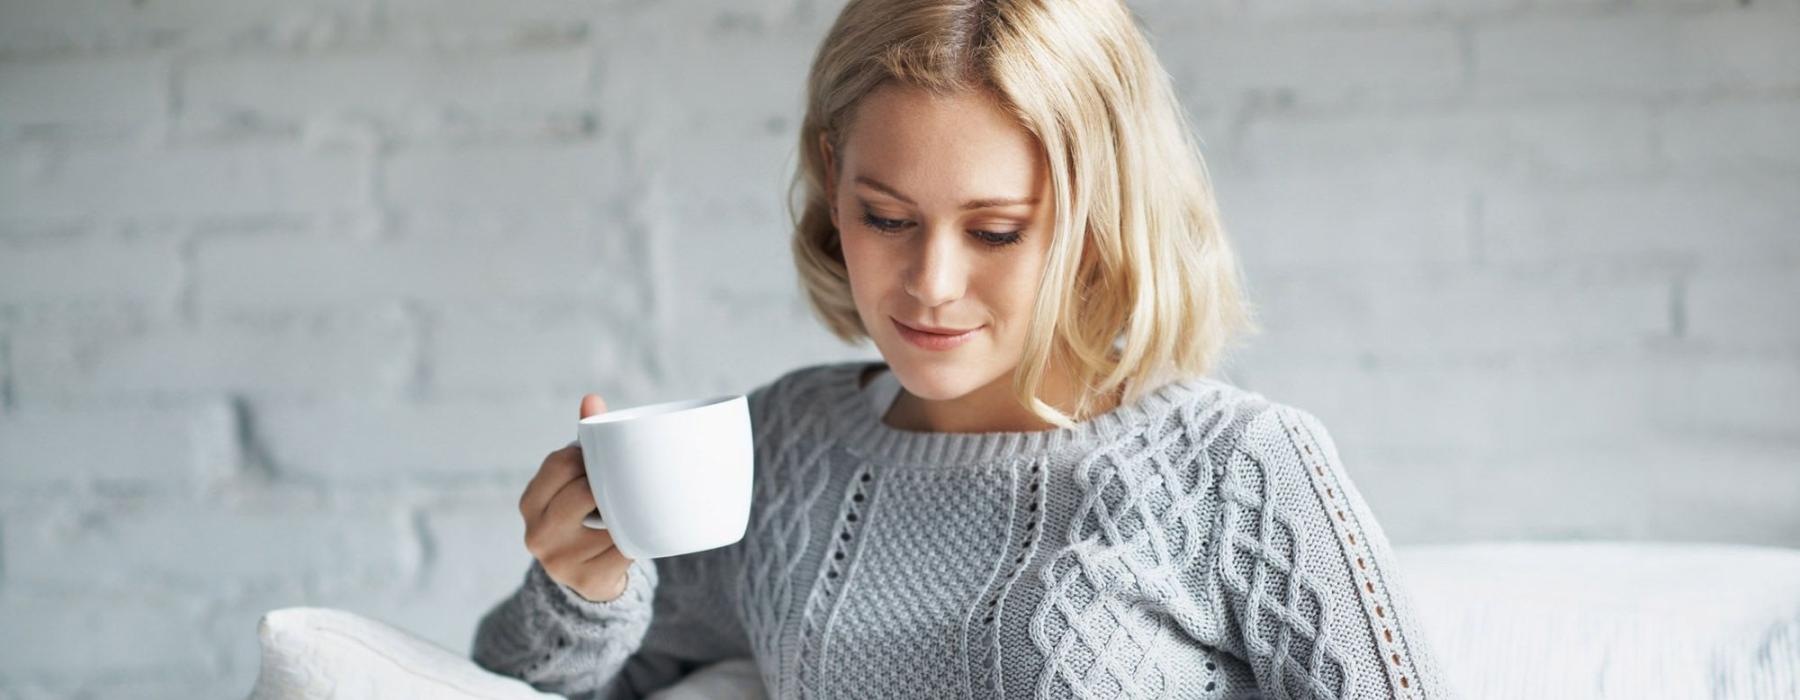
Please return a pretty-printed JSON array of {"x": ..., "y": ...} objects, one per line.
[{"x": 1141, "y": 286}]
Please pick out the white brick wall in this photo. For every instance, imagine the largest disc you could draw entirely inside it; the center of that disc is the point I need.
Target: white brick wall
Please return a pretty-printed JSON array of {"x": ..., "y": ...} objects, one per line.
[{"x": 294, "y": 297}]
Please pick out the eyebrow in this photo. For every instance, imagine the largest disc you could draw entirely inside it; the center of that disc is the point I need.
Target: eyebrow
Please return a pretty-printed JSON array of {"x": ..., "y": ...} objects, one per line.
[{"x": 971, "y": 204}]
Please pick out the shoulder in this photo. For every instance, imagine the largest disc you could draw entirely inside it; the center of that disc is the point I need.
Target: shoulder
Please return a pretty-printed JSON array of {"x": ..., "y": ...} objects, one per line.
[
  {"x": 800, "y": 386},
  {"x": 1280, "y": 451},
  {"x": 1230, "y": 422},
  {"x": 1281, "y": 430}
]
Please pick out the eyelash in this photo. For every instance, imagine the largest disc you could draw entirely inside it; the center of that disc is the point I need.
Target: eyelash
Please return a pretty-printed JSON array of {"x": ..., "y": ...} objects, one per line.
[{"x": 997, "y": 239}]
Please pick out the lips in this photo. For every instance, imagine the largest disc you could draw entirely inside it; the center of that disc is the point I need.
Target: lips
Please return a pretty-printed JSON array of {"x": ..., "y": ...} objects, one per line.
[
  {"x": 935, "y": 329},
  {"x": 934, "y": 341}
]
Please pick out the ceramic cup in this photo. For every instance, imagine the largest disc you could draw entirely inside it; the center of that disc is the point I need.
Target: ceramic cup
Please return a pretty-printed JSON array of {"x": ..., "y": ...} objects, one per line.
[{"x": 670, "y": 478}]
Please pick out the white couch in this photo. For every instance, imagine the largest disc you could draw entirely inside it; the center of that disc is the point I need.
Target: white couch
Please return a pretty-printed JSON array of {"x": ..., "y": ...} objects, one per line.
[
  {"x": 1509, "y": 620},
  {"x": 1612, "y": 619}
]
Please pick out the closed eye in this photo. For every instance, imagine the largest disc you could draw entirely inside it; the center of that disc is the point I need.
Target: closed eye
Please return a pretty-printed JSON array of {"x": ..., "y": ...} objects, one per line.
[
  {"x": 883, "y": 224},
  {"x": 996, "y": 239}
]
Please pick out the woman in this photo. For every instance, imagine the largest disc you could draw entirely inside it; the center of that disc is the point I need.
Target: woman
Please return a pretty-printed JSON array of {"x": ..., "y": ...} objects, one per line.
[{"x": 1038, "y": 493}]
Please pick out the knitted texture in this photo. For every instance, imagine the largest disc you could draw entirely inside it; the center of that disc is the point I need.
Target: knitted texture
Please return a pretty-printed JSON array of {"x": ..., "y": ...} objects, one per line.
[{"x": 1199, "y": 542}]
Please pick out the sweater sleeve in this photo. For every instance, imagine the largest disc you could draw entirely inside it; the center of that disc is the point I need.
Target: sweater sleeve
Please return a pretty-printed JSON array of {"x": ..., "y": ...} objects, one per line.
[
  {"x": 551, "y": 637},
  {"x": 1314, "y": 600},
  {"x": 677, "y": 614},
  {"x": 673, "y": 618}
]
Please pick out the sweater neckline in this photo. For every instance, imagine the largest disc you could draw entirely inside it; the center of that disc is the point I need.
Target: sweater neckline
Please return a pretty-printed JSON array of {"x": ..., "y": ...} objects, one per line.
[{"x": 862, "y": 429}]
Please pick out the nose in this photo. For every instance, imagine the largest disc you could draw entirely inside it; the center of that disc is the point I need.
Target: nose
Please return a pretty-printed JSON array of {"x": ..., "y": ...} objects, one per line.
[{"x": 939, "y": 271}]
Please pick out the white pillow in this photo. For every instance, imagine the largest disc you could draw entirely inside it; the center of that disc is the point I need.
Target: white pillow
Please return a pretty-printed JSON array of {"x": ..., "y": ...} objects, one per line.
[
  {"x": 310, "y": 653},
  {"x": 1610, "y": 619}
]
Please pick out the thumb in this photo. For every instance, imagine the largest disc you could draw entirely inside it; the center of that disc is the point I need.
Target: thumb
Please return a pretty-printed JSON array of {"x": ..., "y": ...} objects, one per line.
[{"x": 592, "y": 405}]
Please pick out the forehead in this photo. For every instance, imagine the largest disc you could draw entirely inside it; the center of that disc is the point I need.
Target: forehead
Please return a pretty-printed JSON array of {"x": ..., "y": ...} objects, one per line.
[{"x": 949, "y": 144}]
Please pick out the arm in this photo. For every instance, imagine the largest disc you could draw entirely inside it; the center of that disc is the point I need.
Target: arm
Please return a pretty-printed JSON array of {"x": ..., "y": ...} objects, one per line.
[
  {"x": 676, "y": 614},
  {"x": 547, "y": 635},
  {"x": 672, "y": 618},
  {"x": 1314, "y": 599}
]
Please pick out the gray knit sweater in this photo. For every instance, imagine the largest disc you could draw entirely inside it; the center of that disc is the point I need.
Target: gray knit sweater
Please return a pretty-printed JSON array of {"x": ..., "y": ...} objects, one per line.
[{"x": 1200, "y": 542}]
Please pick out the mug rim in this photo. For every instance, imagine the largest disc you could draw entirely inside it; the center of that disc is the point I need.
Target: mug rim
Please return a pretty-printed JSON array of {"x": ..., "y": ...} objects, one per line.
[{"x": 664, "y": 408}]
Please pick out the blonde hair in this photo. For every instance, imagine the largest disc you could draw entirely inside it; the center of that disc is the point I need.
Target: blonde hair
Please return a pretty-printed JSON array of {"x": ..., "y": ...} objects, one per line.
[{"x": 1152, "y": 270}]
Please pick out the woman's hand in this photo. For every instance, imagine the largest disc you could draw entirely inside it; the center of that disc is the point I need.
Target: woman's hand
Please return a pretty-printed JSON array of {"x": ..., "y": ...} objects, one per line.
[{"x": 554, "y": 504}]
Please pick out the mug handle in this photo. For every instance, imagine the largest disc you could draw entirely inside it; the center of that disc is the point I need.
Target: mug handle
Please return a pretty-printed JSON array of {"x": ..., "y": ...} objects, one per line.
[{"x": 593, "y": 520}]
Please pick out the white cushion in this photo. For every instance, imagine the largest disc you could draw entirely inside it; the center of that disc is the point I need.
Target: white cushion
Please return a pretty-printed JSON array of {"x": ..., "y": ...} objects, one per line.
[
  {"x": 311, "y": 653},
  {"x": 1611, "y": 619}
]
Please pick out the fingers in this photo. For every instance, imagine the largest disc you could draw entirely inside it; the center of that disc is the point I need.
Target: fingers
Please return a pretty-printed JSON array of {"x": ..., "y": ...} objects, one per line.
[
  {"x": 558, "y": 469},
  {"x": 573, "y": 565},
  {"x": 592, "y": 404},
  {"x": 554, "y": 503},
  {"x": 558, "y": 536},
  {"x": 605, "y": 575},
  {"x": 572, "y": 503}
]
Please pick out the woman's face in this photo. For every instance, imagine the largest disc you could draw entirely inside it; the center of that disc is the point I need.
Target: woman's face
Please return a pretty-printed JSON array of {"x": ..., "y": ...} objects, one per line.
[{"x": 942, "y": 208}]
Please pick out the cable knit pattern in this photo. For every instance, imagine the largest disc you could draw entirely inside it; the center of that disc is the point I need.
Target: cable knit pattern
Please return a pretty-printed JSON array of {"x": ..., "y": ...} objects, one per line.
[{"x": 1199, "y": 542}]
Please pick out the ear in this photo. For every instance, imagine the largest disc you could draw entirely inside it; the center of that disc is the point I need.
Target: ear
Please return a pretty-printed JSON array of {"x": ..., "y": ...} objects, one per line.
[{"x": 825, "y": 152}]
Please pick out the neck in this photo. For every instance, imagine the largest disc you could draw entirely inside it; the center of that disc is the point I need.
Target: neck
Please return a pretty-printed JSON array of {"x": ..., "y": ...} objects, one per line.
[{"x": 989, "y": 409}]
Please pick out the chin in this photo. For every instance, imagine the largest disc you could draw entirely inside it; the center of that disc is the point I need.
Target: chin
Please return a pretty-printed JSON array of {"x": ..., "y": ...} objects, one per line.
[{"x": 941, "y": 380}]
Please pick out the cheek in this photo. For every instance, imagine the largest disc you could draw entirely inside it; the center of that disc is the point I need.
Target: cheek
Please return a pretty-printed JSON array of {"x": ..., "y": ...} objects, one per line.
[
  {"x": 854, "y": 254},
  {"x": 862, "y": 264},
  {"x": 1014, "y": 287},
  {"x": 1011, "y": 296}
]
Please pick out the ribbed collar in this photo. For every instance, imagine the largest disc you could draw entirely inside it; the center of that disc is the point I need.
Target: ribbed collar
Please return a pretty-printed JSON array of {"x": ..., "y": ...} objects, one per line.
[{"x": 861, "y": 429}]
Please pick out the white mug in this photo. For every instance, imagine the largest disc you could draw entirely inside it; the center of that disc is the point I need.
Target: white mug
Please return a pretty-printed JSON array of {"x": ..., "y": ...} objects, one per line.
[{"x": 670, "y": 478}]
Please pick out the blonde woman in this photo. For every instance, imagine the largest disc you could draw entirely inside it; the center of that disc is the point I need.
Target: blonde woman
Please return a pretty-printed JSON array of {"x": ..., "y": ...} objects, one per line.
[{"x": 1038, "y": 492}]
